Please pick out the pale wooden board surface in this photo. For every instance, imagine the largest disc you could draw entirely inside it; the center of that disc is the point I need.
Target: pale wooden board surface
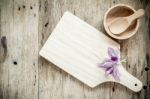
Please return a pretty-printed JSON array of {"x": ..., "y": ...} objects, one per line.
[
  {"x": 35, "y": 78},
  {"x": 78, "y": 48}
]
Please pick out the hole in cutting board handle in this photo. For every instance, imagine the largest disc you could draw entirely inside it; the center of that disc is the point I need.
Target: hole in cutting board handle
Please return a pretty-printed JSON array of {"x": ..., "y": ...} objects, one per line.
[{"x": 129, "y": 80}]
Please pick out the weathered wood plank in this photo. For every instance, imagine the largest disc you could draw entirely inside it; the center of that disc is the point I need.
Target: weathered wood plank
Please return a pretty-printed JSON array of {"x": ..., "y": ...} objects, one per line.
[
  {"x": 55, "y": 83},
  {"x": 19, "y": 69},
  {"x": 136, "y": 49}
]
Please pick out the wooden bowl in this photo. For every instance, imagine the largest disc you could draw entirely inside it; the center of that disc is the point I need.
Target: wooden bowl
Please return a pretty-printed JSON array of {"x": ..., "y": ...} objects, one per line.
[{"x": 120, "y": 10}]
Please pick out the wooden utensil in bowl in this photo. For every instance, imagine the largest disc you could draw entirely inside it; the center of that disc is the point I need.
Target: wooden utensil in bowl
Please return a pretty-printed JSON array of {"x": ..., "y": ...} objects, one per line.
[
  {"x": 117, "y": 11},
  {"x": 120, "y": 24}
]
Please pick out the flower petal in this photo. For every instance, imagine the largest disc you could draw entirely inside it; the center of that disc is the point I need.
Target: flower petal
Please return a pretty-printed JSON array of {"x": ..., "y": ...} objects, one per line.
[
  {"x": 108, "y": 64},
  {"x": 116, "y": 74},
  {"x": 109, "y": 70},
  {"x": 112, "y": 53}
]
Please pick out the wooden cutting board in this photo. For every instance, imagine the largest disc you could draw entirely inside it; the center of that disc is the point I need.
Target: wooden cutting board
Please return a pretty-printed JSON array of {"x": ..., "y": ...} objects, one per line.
[{"x": 78, "y": 48}]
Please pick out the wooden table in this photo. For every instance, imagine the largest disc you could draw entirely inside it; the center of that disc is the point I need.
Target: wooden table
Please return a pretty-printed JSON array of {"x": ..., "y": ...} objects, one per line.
[{"x": 25, "y": 26}]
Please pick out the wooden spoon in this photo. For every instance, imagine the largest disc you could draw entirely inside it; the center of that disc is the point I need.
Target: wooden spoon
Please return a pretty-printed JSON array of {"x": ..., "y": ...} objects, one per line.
[{"x": 120, "y": 24}]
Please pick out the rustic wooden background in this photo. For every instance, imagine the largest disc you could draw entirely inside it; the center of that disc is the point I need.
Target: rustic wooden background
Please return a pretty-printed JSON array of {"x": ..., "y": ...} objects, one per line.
[{"x": 24, "y": 27}]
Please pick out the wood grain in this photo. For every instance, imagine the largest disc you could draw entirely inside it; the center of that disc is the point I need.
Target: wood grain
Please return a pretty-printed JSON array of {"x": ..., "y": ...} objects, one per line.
[
  {"x": 19, "y": 45},
  {"x": 25, "y": 29}
]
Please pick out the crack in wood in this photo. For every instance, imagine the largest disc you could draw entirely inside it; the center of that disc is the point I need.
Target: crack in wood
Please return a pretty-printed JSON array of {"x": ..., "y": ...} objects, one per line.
[
  {"x": 24, "y": 6},
  {"x": 113, "y": 89},
  {"x": 40, "y": 5},
  {"x": 4, "y": 46},
  {"x": 31, "y": 7},
  {"x": 147, "y": 60},
  {"x": 147, "y": 79},
  {"x": 19, "y": 8},
  {"x": 149, "y": 26},
  {"x": 45, "y": 6},
  {"x": 144, "y": 3},
  {"x": 4, "y": 43},
  {"x": 46, "y": 24}
]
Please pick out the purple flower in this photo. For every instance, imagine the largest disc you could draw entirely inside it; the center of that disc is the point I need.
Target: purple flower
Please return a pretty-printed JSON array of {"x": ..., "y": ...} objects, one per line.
[{"x": 110, "y": 64}]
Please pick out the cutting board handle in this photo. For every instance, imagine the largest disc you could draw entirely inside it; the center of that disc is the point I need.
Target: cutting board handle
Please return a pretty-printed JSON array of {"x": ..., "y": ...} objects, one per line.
[{"x": 129, "y": 80}]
